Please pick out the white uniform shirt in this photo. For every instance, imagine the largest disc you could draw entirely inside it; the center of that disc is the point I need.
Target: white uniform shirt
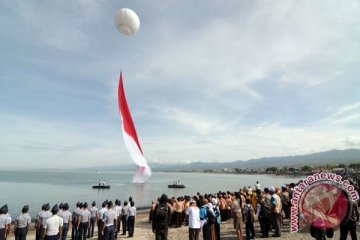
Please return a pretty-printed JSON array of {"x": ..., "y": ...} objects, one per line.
[
  {"x": 194, "y": 217},
  {"x": 110, "y": 216},
  {"x": 84, "y": 216},
  {"x": 94, "y": 212},
  {"x": 66, "y": 216},
  {"x": 118, "y": 210},
  {"x": 132, "y": 211},
  {"x": 101, "y": 213},
  {"x": 52, "y": 225},
  {"x": 23, "y": 220}
]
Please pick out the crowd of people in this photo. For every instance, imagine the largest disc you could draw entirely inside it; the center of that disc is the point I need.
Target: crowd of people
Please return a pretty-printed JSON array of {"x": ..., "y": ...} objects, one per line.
[
  {"x": 200, "y": 213},
  {"x": 54, "y": 223},
  {"x": 269, "y": 206}
]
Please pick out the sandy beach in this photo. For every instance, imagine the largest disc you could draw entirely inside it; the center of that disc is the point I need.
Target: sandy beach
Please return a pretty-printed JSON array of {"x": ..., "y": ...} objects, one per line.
[{"x": 143, "y": 231}]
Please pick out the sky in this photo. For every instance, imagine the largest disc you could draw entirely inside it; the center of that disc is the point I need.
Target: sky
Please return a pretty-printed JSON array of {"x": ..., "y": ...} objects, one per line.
[{"x": 205, "y": 80}]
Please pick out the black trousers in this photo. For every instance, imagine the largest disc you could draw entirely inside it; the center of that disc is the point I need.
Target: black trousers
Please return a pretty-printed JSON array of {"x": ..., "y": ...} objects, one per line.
[
  {"x": 83, "y": 230},
  {"x": 2, "y": 234},
  {"x": 91, "y": 227},
  {"x": 100, "y": 227},
  {"x": 345, "y": 228},
  {"x": 161, "y": 234},
  {"x": 20, "y": 234},
  {"x": 131, "y": 225},
  {"x": 124, "y": 223},
  {"x": 65, "y": 230}
]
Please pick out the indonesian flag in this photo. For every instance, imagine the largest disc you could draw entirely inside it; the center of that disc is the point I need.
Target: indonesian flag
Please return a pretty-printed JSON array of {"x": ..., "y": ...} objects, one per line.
[{"x": 131, "y": 140}]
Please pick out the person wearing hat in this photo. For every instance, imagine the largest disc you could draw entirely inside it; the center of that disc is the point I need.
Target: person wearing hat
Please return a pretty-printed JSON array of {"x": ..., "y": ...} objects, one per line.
[
  {"x": 83, "y": 221},
  {"x": 276, "y": 208},
  {"x": 131, "y": 218},
  {"x": 161, "y": 218},
  {"x": 124, "y": 213},
  {"x": 37, "y": 222},
  {"x": 8, "y": 219},
  {"x": 102, "y": 212},
  {"x": 93, "y": 219},
  {"x": 53, "y": 225},
  {"x": 118, "y": 209},
  {"x": 75, "y": 217},
  {"x": 22, "y": 224},
  {"x": 43, "y": 217},
  {"x": 3, "y": 223},
  {"x": 66, "y": 215},
  {"x": 109, "y": 222}
]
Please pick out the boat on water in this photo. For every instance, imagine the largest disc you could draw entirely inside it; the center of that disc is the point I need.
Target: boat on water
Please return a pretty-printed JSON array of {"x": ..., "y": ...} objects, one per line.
[
  {"x": 176, "y": 184},
  {"x": 101, "y": 185}
]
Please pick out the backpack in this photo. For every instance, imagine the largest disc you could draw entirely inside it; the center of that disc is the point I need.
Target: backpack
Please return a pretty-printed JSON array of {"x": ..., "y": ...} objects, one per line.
[
  {"x": 217, "y": 215},
  {"x": 162, "y": 212},
  {"x": 210, "y": 216}
]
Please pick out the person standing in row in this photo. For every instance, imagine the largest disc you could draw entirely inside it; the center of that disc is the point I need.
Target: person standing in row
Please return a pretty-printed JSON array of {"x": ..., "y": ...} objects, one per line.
[
  {"x": 43, "y": 217},
  {"x": 74, "y": 230},
  {"x": 83, "y": 222},
  {"x": 131, "y": 218},
  {"x": 118, "y": 209},
  {"x": 3, "y": 222},
  {"x": 102, "y": 212},
  {"x": 124, "y": 212},
  {"x": 22, "y": 224},
  {"x": 67, "y": 219},
  {"x": 53, "y": 225},
  {"x": 109, "y": 222},
  {"x": 94, "y": 218}
]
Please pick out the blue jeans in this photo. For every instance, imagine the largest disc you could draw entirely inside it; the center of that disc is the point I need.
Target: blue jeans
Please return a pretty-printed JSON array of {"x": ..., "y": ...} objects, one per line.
[{"x": 110, "y": 232}]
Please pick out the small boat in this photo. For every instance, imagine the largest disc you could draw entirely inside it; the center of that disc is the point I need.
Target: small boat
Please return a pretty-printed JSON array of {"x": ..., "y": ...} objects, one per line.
[
  {"x": 101, "y": 186},
  {"x": 176, "y": 185}
]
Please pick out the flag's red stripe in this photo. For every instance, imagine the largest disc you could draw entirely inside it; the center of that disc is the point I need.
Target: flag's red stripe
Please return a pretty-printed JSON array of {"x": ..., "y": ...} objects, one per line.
[{"x": 125, "y": 113}]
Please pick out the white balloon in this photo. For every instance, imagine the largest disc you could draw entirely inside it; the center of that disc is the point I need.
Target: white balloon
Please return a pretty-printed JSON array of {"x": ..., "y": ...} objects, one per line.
[{"x": 126, "y": 21}]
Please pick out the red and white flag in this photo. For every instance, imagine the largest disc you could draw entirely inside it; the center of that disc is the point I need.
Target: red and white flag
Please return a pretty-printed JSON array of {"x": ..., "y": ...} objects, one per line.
[{"x": 131, "y": 140}]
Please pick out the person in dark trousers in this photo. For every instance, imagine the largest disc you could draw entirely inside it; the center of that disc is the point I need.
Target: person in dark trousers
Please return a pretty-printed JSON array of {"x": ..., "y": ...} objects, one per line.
[
  {"x": 131, "y": 218},
  {"x": 124, "y": 212},
  {"x": 349, "y": 225},
  {"x": 263, "y": 215},
  {"x": 22, "y": 224},
  {"x": 248, "y": 213},
  {"x": 161, "y": 219}
]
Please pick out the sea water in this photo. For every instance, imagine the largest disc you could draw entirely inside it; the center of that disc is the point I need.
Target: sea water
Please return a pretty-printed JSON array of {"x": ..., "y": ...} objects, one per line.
[{"x": 34, "y": 188}]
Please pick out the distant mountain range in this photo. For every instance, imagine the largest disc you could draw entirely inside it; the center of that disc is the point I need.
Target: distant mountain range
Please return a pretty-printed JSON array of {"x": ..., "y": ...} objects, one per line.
[{"x": 332, "y": 157}]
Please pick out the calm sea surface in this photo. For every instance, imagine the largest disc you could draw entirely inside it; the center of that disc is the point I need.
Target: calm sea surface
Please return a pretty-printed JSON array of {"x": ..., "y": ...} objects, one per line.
[{"x": 18, "y": 188}]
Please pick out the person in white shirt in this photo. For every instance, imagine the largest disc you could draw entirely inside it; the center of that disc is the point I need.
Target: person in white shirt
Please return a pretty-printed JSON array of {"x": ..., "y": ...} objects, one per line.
[
  {"x": 131, "y": 218},
  {"x": 109, "y": 222},
  {"x": 3, "y": 222},
  {"x": 193, "y": 213},
  {"x": 22, "y": 224},
  {"x": 118, "y": 209},
  {"x": 102, "y": 212},
  {"x": 66, "y": 215},
  {"x": 257, "y": 185},
  {"x": 93, "y": 219},
  {"x": 83, "y": 221},
  {"x": 53, "y": 225}
]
